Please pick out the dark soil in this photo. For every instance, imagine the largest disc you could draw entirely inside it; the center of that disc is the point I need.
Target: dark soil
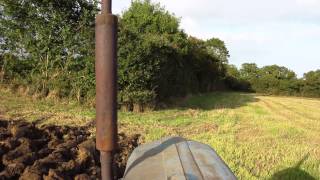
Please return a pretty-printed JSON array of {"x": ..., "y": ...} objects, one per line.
[{"x": 48, "y": 152}]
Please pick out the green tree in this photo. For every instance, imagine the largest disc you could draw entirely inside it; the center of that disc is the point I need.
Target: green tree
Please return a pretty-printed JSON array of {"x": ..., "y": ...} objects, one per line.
[
  {"x": 311, "y": 84},
  {"x": 207, "y": 68},
  {"x": 56, "y": 38},
  {"x": 276, "y": 80},
  {"x": 150, "y": 51},
  {"x": 272, "y": 79},
  {"x": 218, "y": 49},
  {"x": 157, "y": 59},
  {"x": 235, "y": 81},
  {"x": 249, "y": 71},
  {"x": 233, "y": 71}
]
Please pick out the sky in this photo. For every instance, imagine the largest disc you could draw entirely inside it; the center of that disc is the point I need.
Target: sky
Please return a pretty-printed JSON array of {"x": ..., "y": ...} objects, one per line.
[{"x": 265, "y": 32}]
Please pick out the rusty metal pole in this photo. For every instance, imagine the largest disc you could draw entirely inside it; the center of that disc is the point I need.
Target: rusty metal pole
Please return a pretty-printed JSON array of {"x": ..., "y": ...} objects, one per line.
[{"x": 106, "y": 87}]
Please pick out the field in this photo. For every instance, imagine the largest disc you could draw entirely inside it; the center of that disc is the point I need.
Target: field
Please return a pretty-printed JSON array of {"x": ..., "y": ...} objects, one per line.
[{"x": 259, "y": 137}]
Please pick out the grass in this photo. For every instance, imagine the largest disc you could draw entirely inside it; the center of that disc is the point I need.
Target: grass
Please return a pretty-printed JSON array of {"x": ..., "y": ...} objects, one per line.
[{"x": 259, "y": 137}]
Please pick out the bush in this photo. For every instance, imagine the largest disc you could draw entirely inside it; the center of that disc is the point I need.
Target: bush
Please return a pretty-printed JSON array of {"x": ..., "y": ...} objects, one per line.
[
  {"x": 156, "y": 56},
  {"x": 49, "y": 48}
]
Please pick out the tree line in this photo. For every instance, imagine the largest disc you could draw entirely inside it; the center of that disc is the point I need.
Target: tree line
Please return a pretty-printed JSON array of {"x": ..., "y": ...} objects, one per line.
[
  {"x": 273, "y": 80},
  {"x": 47, "y": 47}
]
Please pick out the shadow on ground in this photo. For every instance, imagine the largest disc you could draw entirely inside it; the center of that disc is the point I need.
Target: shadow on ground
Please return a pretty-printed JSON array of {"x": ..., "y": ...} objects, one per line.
[
  {"x": 216, "y": 100},
  {"x": 293, "y": 173}
]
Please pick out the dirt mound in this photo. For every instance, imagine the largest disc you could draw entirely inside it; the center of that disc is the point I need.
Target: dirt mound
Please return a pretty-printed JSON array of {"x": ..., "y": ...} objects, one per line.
[{"x": 48, "y": 152}]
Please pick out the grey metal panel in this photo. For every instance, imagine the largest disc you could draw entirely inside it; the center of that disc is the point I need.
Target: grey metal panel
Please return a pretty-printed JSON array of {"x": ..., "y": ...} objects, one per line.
[
  {"x": 172, "y": 163},
  {"x": 211, "y": 165},
  {"x": 189, "y": 165},
  {"x": 175, "y": 158}
]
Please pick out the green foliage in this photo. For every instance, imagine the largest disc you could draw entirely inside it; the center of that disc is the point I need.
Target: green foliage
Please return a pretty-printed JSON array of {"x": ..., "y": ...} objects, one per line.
[
  {"x": 146, "y": 45},
  {"x": 249, "y": 71},
  {"x": 311, "y": 84},
  {"x": 276, "y": 80},
  {"x": 48, "y": 46},
  {"x": 156, "y": 56},
  {"x": 217, "y": 48},
  {"x": 52, "y": 41},
  {"x": 235, "y": 81},
  {"x": 140, "y": 97},
  {"x": 206, "y": 71}
]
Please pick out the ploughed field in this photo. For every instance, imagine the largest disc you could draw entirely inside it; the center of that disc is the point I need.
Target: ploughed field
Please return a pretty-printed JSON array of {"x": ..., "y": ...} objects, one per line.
[
  {"x": 259, "y": 137},
  {"x": 51, "y": 152}
]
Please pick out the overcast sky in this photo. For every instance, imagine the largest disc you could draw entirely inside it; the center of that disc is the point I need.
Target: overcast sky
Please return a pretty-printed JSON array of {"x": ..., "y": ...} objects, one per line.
[{"x": 283, "y": 32}]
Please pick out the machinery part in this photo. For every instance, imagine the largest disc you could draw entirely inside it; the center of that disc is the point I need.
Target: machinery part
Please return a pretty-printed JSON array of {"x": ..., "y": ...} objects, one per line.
[
  {"x": 106, "y": 6},
  {"x": 176, "y": 158},
  {"x": 106, "y": 87},
  {"x": 106, "y": 160},
  {"x": 106, "y": 82}
]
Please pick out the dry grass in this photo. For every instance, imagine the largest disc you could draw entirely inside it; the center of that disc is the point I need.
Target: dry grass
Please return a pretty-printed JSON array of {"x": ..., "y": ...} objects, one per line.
[{"x": 259, "y": 137}]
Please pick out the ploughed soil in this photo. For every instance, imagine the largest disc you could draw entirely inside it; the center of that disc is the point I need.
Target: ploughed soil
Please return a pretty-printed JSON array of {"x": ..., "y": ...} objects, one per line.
[{"x": 32, "y": 152}]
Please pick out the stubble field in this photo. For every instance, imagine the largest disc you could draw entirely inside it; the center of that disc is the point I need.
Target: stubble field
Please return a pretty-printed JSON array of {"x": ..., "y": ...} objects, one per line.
[{"x": 259, "y": 137}]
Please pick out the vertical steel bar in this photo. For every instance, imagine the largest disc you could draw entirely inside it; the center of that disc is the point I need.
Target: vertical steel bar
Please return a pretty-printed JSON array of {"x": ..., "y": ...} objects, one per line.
[
  {"x": 106, "y": 87},
  {"x": 106, "y": 6},
  {"x": 106, "y": 159}
]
